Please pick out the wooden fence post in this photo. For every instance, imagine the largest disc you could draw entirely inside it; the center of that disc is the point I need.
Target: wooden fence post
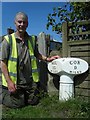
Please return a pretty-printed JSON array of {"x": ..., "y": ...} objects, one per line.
[{"x": 64, "y": 39}]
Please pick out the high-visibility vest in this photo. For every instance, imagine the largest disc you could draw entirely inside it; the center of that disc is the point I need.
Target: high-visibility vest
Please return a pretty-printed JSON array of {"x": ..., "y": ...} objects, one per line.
[{"x": 12, "y": 62}]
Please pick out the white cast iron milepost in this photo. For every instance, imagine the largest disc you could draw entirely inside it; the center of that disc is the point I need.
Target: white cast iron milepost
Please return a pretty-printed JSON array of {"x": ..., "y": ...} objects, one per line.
[{"x": 67, "y": 68}]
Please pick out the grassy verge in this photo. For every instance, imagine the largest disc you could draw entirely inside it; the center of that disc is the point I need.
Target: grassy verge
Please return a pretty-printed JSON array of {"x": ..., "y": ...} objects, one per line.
[{"x": 51, "y": 107}]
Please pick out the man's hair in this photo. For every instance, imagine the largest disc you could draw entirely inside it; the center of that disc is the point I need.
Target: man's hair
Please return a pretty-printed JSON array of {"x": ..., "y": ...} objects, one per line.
[{"x": 21, "y": 13}]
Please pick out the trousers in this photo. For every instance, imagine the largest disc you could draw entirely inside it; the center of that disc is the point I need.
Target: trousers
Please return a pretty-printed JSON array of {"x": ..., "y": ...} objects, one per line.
[{"x": 22, "y": 97}]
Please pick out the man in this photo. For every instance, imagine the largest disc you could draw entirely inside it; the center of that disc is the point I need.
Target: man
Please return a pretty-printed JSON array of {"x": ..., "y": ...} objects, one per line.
[{"x": 19, "y": 68}]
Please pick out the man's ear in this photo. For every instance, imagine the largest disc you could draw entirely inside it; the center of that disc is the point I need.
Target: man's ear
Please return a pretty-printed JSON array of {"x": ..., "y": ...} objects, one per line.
[{"x": 14, "y": 22}]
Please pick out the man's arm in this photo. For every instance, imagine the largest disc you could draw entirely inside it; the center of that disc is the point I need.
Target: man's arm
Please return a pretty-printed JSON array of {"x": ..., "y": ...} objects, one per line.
[
  {"x": 42, "y": 57},
  {"x": 47, "y": 59},
  {"x": 4, "y": 69}
]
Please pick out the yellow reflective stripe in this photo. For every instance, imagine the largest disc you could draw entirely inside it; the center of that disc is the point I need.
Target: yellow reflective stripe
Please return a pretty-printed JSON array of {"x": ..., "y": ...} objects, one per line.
[
  {"x": 30, "y": 48},
  {"x": 14, "y": 48},
  {"x": 33, "y": 41},
  {"x": 12, "y": 63},
  {"x": 35, "y": 76},
  {"x": 34, "y": 64},
  {"x": 12, "y": 59},
  {"x": 34, "y": 70}
]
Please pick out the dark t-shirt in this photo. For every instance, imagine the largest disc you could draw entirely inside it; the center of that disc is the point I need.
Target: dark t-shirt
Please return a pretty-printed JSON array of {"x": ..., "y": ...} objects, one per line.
[{"x": 23, "y": 61}]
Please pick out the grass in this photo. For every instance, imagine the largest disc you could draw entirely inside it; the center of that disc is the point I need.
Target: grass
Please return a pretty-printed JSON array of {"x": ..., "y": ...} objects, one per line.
[{"x": 51, "y": 107}]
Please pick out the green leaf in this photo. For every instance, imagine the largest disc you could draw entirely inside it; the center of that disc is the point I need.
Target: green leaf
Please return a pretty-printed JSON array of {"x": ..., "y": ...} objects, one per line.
[
  {"x": 53, "y": 20},
  {"x": 54, "y": 14},
  {"x": 59, "y": 8},
  {"x": 53, "y": 28},
  {"x": 59, "y": 13}
]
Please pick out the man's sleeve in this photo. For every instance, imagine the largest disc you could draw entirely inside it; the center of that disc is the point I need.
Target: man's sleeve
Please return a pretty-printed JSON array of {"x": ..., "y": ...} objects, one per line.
[{"x": 5, "y": 49}]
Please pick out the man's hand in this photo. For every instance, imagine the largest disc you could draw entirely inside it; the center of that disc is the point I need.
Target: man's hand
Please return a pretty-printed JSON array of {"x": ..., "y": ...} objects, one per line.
[
  {"x": 11, "y": 87},
  {"x": 52, "y": 58}
]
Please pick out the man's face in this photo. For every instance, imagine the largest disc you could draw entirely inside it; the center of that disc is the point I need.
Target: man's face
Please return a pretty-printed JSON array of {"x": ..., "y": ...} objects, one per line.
[{"x": 21, "y": 23}]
